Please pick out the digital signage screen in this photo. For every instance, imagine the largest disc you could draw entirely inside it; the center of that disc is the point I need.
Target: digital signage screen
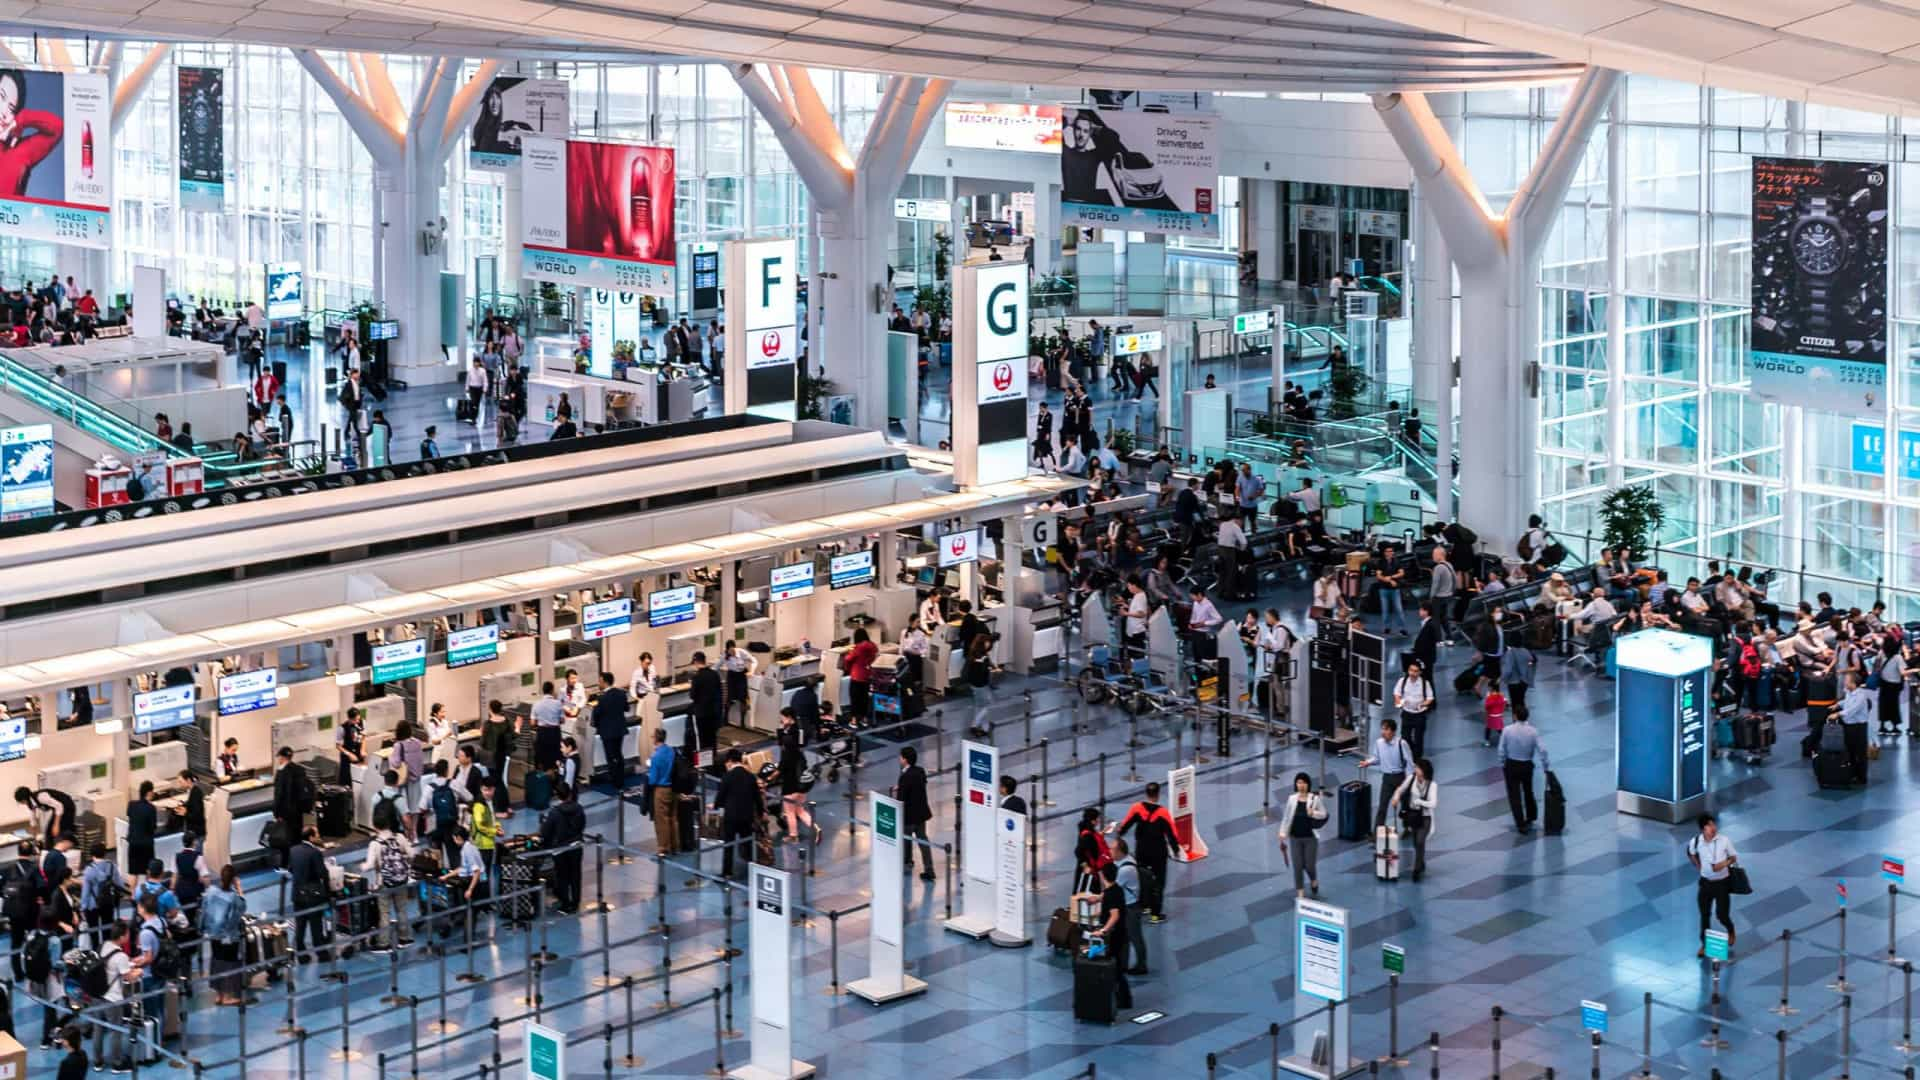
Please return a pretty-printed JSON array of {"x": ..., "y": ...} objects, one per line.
[
  {"x": 848, "y": 570},
  {"x": 249, "y": 690},
  {"x": 605, "y": 620},
  {"x": 26, "y": 471},
  {"x": 475, "y": 646},
  {"x": 158, "y": 710},
  {"x": 668, "y": 606},
  {"x": 598, "y": 214},
  {"x": 791, "y": 582},
  {"x": 960, "y": 547},
  {"x": 13, "y": 738},
  {"x": 400, "y": 660}
]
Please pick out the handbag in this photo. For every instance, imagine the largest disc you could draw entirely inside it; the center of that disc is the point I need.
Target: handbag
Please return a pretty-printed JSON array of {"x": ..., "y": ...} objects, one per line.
[{"x": 1737, "y": 881}]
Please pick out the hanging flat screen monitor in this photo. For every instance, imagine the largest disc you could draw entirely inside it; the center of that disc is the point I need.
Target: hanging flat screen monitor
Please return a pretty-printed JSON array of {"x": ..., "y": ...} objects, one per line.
[
  {"x": 960, "y": 547},
  {"x": 13, "y": 739},
  {"x": 605, "y": 620},
  {"x": 668, "y": 606},
  {"x": 158, "y": 710},
  {"x": 400, "y": 660},
  {"x": 790, "y": 582},
  {"x": 849, "y": 570},
  {"x": 249, "y": 690},
  {"x": 475, "y": 646}
]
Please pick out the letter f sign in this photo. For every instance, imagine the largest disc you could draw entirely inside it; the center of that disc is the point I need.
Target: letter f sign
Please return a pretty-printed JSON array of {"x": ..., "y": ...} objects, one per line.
[{"x": 769, "y": 277}]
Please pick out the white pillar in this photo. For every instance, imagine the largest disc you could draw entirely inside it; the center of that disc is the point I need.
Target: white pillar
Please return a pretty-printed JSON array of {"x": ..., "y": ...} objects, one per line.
[
  {"x": 1046, "y": 228},
  {"x": 510, "y": 232},
  {"x": 1260, "y": 207},
  {"x": 1433, "y": 343}
]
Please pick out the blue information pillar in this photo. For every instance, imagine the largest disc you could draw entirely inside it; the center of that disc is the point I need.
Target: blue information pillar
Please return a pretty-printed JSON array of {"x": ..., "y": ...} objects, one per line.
[{"x": 1662, "y": 719}]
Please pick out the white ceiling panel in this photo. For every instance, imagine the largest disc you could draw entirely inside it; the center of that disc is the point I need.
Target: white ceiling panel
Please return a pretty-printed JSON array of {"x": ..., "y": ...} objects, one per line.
[
  {"x": 1888, "y": 31},
  {"x": 1804, "y": 61}
]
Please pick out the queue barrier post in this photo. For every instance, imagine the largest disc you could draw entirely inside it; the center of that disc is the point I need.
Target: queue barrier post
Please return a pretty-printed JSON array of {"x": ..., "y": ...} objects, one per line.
[
  {"x": 1103, "y": 783},
  {"x": 1780, "y": 1051},
  {"x": 833, "y": 952},
  {"x": 605, "y": 978},
  {"x": 1840, "y": 984},
  {"x": 1596, "y": 1058},
  {"x": 632, "y": 1060},
  {"x": 242, "y": 1032},
  {"x": 1027, "y": 713},
  {"x": 413, "y": 1036},
  {"x": 1213, "y": 1066},
  {"x": 1893, "y": 922},
  {"x": 1906, "y": 1044},
  {"x": 1392, "y": 1056},
  {"x": 1846, "y": 1035},
  {"x": 1133, "y": 749},
  {"x": 494, "y": 1024},
  {"x": 1433, "y": 1048},
  {"x": 442, "y": 1026},
  {"x": 1713, "y": 1041},
  {"x": 1273, "y": 1051},
  {"x": 394, "y": 996},
  {"x": 1496, "y": 1041},
  {"x": 291, "y": 1025},
  {"x": 1785, "y": 1008},
  {"x": 346, "y": 1052},
  {"x": 947, "y": 877},
  {"x": 719, "y": 1043},
  {"x": 1046, "y": 798},
  {"x": 606, "y": 1050},
  {"x": 469, "y": 975},
  {"x": 1646, "y": 1036}
]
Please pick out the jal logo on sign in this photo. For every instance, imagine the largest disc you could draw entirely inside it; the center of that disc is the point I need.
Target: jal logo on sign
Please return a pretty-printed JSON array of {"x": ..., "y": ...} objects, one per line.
[
  {"x": 1001, "y": 380},
  {"x": 771, "y": 347},
  {"x": 770, "y": 343},
  {"x": 1000, "y": 321},
  {"x": 1002, "y": 376}
]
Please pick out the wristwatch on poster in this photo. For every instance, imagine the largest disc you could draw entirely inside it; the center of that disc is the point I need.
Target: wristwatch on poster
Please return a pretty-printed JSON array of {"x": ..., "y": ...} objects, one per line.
[{"x": 1819, "y": 243}]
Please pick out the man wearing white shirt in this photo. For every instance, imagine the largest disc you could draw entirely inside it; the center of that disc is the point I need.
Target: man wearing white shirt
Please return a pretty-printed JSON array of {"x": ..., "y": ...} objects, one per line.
[
  {"x": 573, "y": 696},
  {"x": 1203, "y": 622},
  {"x": 1395, "y": 759},
  {"x": 643, "y": 681},
  {"x": 1691, "y": 598},
  {"x": 1137, "y": 611},
  {"x": 1713, "y": 855},
  {"x": 1305, "y": 497},
  {"x": 1598, "y": 610},
  {"x": 1271, "y": 643},
  {"x": 477, "y": 381},
  {"x": 1072, "y": 461},
  {"x": 1856, "y": 708},
  {"x": 1231, "y": 534}
]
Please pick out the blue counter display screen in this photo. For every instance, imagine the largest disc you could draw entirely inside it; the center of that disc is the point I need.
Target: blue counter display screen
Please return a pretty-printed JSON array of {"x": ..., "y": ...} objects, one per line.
[
  {"x": 668, "y": 606},
  {"x": 1694, "y": 737},
  {"x": 605, "y": 620},
  {"x": 1646, "y": 732},
  {"x": 158, "y": 710}
]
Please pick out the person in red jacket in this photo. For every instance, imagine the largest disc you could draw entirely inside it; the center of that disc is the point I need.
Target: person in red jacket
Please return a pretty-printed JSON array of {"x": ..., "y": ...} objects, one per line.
[
  {"x": 1151, "y": 849},
  {"x": 858, "y": 664}
]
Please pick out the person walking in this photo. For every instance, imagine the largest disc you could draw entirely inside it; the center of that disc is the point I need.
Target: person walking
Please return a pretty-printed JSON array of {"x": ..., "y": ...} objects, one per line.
[
  {"x": 1413, "y": 696},
  {"x": 793, "y": 787},
  {"x": 1713, "y": 855},
  {"x": 1518, "y": 670},
  {"x": 1395, "y": 760},
  {"x": 741, "y": 804},
  {"x": 1300, "y": 824},
  {"x": 1443, "y": 583},
  {"x": 911, "y": 790},
  {"x": 1417, "y": 798},
  {"x": 1520, "y": 748}
]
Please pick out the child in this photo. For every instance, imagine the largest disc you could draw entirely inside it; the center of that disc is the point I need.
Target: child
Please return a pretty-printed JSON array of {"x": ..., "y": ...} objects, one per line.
[{"x": 1496, "y": 708}]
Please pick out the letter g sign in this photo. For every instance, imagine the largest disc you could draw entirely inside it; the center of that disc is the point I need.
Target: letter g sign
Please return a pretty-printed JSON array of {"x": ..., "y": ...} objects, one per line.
[{"x": 1002, "y": 309}]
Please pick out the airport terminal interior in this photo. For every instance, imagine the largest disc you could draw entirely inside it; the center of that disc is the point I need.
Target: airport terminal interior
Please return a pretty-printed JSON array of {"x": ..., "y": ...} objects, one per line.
[{"x": 957, "y": 538}]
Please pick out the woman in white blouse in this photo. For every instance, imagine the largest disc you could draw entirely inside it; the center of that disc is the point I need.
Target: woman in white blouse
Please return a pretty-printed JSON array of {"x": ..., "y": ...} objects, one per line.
[
  {"x": 441, "y": 742},
  {"x": 1300, "y": 824},
  {"x": 1417, "y": 798}
]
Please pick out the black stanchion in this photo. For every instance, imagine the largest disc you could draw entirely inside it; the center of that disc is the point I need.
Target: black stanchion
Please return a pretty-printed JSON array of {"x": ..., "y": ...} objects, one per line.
[
  {"x": 1046, "y": 798},
  {"x": 1780, "y": 1051},
  {"x": 394, "y": 996},
  {"x": 442, "y": 1026},
  {"x": 469, "y": 975},
  {"x": 620, "y": 856},
  {"x": 1213, "y": 1067},
  {"x": 346, "y": 1051},
  {"x": 413, "y": 1036},
  {"x": 606, "y": 1050},
  {"x": 1273, "y": 1052},
  {"x": 494, "y": 1024},
  {"x": 1392, "y": 1056},
  {"x": 300, "y": 1050},
  {"x": 1840, "y": 984},
  {"x": 241, "y": 1032},
  {"x": 719, "y": 1044},
  {"x": 291, "y": 1025},
  {"x": 1596, "y": 1057},
  {"x": 1496, "y": 1040},
  {"x": 1646, "y": 1036},
  {"x": 1433, "y": 1047},
  {"x": 632, "y": 1060},
  {"x": 1785, "y": 1008},
  {"x": 1846, "y": 1035},
  {"x": 833, "y": 952},
  {"x": 1133, "y": 746},
  {"x": 947, "y": 877},
  {"x": 1713, "y": 1041},
  {"x": 1906, "y": 1044},
  {"x": 1893, "y": 922}
]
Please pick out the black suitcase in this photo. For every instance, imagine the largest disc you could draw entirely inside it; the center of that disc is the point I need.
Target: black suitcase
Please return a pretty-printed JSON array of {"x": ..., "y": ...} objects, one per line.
[
  {"x": 336, "y": 810},
  {"x": 1556, "y": 808},
  {"x": 1356, "y": 810},
  {"x": 689, "y": 823},
  {"x": 1831, "y": 770},
  {"x": 1463, "y": 682},
  {"x": 357, "y": 913},
  {"x": 1093, "y": 987},
  {"x": 463, "y": 410},
  {"x": 1753, "y": 731}
]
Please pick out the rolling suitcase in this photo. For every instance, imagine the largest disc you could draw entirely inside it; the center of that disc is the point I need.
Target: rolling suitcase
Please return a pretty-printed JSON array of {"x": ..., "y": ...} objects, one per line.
[
  {"x": 336, "y": 810},
  {"x": 146, "y": 1037},
  {"x": 356, "y": 911},
  {"x": 1093, "y": 987},
  {"x": 1555, "y": 811},
  {"x": 1063, "y": 934},
  {"x": 1753, "y": 731},
  {"x": 1831, "y": 770},
  {"x": 1386, "y": 854},
  {"x": 539, "y": 793},
  {"x": 1760, "y": 692},
  {"x": 1356, "y": 809},
  {"x": 1463, "y": 682}
]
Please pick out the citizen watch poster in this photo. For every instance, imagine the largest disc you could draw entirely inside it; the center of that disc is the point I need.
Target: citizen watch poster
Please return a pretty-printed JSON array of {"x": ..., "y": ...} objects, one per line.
[
  {"x": 56, "y": 157},
  {"x": 203, "y": 158},
  {"x": 1140, "y": 171},
  {"x": 1820, "y": 283},
  {"x": 598, "y": 214},
  {"x": 516, "y": 108}
]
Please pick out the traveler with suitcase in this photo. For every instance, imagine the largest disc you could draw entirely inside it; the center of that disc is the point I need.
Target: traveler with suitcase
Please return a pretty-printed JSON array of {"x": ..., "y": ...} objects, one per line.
[
  {"x": 1855, "y": 708},
  {"x": 1520, "y": 749},
  {"x": 1417, "y": 797},
  {"x": 1112, "y": 932},
  {"x": 389, "y": 867},
  {"x": 1153, "y": 846},
  {"x": 1300, "y": 824},
  {"x": 561, "y": 829},
  {"x": 1127, "y": 876},
  {"x": 1395, "y": 760},
  {"x": 1890, "y": 671}
]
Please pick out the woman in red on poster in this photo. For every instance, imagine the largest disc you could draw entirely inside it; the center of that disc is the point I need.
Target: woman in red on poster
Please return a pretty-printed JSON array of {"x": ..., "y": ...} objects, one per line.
[{"x": 27, "y": 136}]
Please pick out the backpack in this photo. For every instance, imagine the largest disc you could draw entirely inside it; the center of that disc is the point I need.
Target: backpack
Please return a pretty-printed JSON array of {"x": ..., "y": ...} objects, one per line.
[
  {"x": 39, "y": 960},
  {"x": 386, "y": 814},
  {"x": 169, "y": 961},
  {"x": 446, "y": 808},
  {"x": 395, "y": 865},
  {"x": 106, "y": 898},
  {"x": 21, "y": 893},
  {"x": 1749, "y": 661},
  {"x": 87, "y": 970},
  {"x": 682, "y": 776}
]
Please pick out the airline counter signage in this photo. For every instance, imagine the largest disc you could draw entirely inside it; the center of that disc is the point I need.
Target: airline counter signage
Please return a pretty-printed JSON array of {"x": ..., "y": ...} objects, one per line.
[
  {"x": 158, "y": 710},
  {"x": 605, "y": 620},
  {"x": 790, "y": 582},
  {"x": 851, "y": 569},
  {"x": 249, "y": 690},
  {"x": 960, "y": 547},
  {"x": 668, "y": 606},
  {"x": 475, "y": 646},
  {"x": 400, "y": 660}
]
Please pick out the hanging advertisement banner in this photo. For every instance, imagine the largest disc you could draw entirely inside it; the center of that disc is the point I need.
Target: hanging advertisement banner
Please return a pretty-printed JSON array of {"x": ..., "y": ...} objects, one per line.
[
  {"x": 1819, "y": 322},
  {"x": 1140, "y": 171},
  {"x": 516, "y": 108},
  {"x": 997, "y": 125},
  {"x": 886, "y": 924},
  {"x": 1010, "y": 894},
  {"x": 770, "y": 959},
  {"x": 203, "y": 156},
  {"x": 979, "y": 867},
  {"x": 56, "y": 157},
  {"x": 990, "y": 409},
  {"x": 1188, "y": 847},
  {"x": 1147, "y": 100},
  {"x": 285, "y": 291},
  {"x": 762, "y": 329},
  {"x": 598, "y": 214},
  {"x": 26, "y": 471}
]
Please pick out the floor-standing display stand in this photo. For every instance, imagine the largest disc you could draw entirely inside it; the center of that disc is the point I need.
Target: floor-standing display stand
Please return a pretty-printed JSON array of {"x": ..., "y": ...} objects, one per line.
[
  {"x": 770, "y": 979},
  {"x": 979, "y": 772},
  {"x": 1661, "y": 710},
  {"x": 1010, "y": 897},
  {"x": 1321, "y": 939},
  {"x": 887, "y": 978}
]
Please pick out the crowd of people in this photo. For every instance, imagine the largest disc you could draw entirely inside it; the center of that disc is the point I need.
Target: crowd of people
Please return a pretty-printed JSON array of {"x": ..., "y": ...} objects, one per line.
[{"x": 55, "y": 312}]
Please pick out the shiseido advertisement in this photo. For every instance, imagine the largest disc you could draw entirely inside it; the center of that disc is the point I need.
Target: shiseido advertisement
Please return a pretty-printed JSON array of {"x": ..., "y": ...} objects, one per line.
[
  {"x": 515, "y": 109},
  {"x": 598, "y": 214},
  {"x": 1820, "y": 283},
  {"x": 203, "y": 168},
  {"x": 56, "y": 157},
  {"x": 1141, "y": 171}
]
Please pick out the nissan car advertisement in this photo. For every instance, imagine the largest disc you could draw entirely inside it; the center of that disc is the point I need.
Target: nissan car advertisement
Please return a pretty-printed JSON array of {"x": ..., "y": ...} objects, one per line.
[
  {"x": 1142, "y": 171},
  {"x": 1819, "y": 317}
]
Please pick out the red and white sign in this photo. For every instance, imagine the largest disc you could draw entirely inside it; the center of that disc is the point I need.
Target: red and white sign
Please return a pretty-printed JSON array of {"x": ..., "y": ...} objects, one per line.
[
  {"x": 1002, "y": 380},
  {"x": 765, "y": 348},
  {"x": 960, "y": 547},
  {"x": 107, "y": 486},
  {"x": 1188, "y": 847},
  {"x": 187, "y": 476}
]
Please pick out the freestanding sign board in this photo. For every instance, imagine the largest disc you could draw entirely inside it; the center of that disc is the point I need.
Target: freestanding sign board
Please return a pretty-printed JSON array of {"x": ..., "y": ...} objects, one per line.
[
  {"x": 763, "y": 340},
  {"x": 1661, "y": 724},
  {"x": 1010, "y": 894},
  {"x": 990, "y": 374},
  {"x": 1188, "y": 847},
  {"x": 770, "y": 966},
  {"x": 546, "y": 1053},
  {"x": 980, "y": 768},
  {"x": 1321, "y": 940},
  {"x": 887, "y": 979}
]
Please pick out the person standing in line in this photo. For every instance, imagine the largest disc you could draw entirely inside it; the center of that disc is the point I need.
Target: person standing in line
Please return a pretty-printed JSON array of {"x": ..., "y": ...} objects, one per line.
[
  {"x": 911, "y": 790},
  {"x": 857, "y": 662},
  {"x": 737, "y": 666},
  {"x": 1395, "y": 760},
  {"x": 1300, "y": 824},
  {"x": 497, "y": 737},
  {"x": 703, "y": 691},
  {"x": 741, "y": 804},
  {"x": 610, "y": 711},
  {"x": 562, "y": 828},
  {"x": 311, "y": 890},
  {"x": 1891, "y": 668},
  {"x": 1491, "y": 643},
  {"x": 1413, "y": 696},
  {"x": 660, "y": 796},
  {"x": 1388, "y": 577},
  {"x": 1113, "y": 931},
  {"x": 1712, "y": 854},
  {"x": 548, "y": 714},
  {"x": 1520, "y": 748},
  {"x": 1010, "y": 801},
  {"x": 143, "y": 821},
  {"x": 1126, "y": 874},
  {"x": 1855, "y": 709},
  {"x": 1417, "y": 798}
]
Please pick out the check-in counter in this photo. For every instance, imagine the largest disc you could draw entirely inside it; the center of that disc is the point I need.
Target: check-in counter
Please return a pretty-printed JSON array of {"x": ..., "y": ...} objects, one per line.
[{"x": 238, "y": 813}]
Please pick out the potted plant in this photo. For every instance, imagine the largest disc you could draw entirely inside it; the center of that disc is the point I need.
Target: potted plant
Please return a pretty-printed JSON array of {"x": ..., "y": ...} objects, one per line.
[
  {"x": 1629, "y": 517},
  {"x": 550, "y": 304},
  {"x": 814, "y": 390}
]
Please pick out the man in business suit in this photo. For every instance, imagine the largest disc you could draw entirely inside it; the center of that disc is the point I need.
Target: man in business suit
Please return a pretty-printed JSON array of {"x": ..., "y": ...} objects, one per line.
[
  {"x": 1426, "y": 640},
  {"x": 704, "y": 691},
  {"x": 911, "y": 790},
  {"x": 741, "y": 804},
  {"x": 308, "y": 869},
  {"x": 610, "y": 723},
  {"x": 293, "y": 796}
]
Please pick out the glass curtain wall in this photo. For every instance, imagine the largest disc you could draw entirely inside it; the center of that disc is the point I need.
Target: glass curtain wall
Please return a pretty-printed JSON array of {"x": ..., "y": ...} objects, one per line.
[{"x": 300, "y": 186}]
